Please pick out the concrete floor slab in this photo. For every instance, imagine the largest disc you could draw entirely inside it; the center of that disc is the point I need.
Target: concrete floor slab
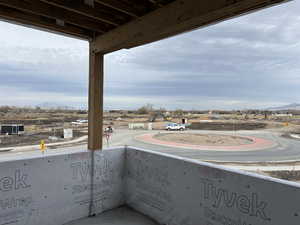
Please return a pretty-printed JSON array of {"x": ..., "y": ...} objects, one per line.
[{"x": 120, "y": 216}]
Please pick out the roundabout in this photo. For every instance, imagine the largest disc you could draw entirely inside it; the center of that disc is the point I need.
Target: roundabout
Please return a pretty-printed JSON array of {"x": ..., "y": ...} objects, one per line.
[
  {"x": 208, "y": 142},
  {"x": 264, "y": 146}
]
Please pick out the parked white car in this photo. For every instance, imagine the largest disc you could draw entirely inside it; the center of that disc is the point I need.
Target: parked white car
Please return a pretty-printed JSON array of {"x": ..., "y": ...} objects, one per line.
[{"x": 175, "y": 126}]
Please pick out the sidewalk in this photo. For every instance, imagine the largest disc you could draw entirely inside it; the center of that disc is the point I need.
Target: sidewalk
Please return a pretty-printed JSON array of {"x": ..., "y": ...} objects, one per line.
[
  {"x": 37, "y": 147},
  {"x": 265, "y": 168}
]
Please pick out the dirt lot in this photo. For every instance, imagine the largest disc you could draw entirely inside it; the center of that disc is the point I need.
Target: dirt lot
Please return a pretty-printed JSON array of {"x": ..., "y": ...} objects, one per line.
[
  {"x": 32, "y": 139},
  {"x": 232, "y": 125},
  {"x": 203, "y": 139},
  {"x": 40, "y": 123},
  {"x": 292, "y": 175}
]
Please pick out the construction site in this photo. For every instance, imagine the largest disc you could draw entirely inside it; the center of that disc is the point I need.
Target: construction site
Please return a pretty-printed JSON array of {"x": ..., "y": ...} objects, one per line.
[
  {"x": 206, "y": 135},
  {"x": 48, "y": 125}
]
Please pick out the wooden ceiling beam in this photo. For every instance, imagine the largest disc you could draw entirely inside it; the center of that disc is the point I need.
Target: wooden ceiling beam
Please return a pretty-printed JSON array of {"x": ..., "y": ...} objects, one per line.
[
  {"x": 39, "y": 8},
  {"x": 156, "y": 3},
  {"x": 95, "y": 12},
  {"x": 34, "y": 21},
  {"x": 175, "y": 18},
  {"x": 121, "y": 7}
]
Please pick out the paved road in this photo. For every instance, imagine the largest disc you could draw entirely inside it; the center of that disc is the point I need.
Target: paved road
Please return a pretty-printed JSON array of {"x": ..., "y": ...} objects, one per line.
[{"x": 286, "y": 149}]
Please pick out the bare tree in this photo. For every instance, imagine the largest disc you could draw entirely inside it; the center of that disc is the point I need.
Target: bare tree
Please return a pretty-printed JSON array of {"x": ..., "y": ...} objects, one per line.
[{"x": 146, "y": 109}]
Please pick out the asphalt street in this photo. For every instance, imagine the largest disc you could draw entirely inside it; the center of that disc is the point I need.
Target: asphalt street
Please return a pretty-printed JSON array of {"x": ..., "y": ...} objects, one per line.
[{"x": 286, "y": 148}]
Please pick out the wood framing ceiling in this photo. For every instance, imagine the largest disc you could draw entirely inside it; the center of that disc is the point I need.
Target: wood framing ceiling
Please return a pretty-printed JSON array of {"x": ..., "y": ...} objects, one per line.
[
  {"x": 116, "y": 24},
  {"x": 84, "y": 19}
]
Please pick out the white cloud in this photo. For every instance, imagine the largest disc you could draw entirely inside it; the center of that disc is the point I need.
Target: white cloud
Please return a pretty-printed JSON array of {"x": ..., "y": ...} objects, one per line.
[{"x": 250, "y": 61}]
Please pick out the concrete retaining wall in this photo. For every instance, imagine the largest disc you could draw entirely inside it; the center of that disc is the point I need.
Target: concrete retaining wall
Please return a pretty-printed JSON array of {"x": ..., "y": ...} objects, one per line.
[
  {"x": 185, "y": 192},
  {"x": 135, "y": 126},
  {"x": 56, "y": 189}
]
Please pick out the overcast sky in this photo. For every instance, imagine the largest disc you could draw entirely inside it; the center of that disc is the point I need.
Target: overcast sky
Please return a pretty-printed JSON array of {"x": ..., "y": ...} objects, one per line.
[{"x": 250, "y": 61}]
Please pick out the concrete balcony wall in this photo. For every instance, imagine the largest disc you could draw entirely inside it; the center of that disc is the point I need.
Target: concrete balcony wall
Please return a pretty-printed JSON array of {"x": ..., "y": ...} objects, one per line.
[
  {"x": 53, "y": 190},
  {"x": 178, "y": 191}
]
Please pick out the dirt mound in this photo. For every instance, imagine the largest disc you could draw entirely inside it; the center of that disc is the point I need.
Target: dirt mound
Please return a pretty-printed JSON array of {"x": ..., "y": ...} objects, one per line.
[
  {"x": 42, "y": 121},
  {"x": 204, "y": 139},
  {"x": 227, "y": 126},
  {"x": 292, "y": 175}
]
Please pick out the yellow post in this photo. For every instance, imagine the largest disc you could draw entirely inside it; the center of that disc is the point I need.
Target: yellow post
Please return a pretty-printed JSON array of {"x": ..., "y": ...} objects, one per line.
[{"x": 42, "y": 146}]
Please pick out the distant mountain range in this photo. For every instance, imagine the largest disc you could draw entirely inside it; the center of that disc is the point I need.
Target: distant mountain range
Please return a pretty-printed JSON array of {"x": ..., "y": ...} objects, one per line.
[{"x": 293, "y": 106}]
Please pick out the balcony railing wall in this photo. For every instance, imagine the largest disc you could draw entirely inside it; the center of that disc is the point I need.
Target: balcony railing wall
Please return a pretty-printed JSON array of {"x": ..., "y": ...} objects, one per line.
[{"x": 56, "y": 189}]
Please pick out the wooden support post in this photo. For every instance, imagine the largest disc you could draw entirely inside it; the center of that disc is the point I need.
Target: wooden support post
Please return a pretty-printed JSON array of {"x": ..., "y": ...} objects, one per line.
[{"x": 96, "y": 78}]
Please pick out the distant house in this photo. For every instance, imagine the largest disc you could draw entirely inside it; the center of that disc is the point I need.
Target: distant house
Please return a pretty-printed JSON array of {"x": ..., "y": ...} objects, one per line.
[{"x": 12, "y": 129}]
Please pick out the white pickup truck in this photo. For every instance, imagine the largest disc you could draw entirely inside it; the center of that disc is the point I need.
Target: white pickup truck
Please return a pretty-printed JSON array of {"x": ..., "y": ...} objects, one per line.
[{"x": 175, "y": 126}]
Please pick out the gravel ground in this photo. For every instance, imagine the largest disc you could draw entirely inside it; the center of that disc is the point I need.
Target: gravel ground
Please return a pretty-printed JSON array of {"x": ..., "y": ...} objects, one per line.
[
  {"x": 32, "y": 139},
  {"x": 204, "y": 139}
]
